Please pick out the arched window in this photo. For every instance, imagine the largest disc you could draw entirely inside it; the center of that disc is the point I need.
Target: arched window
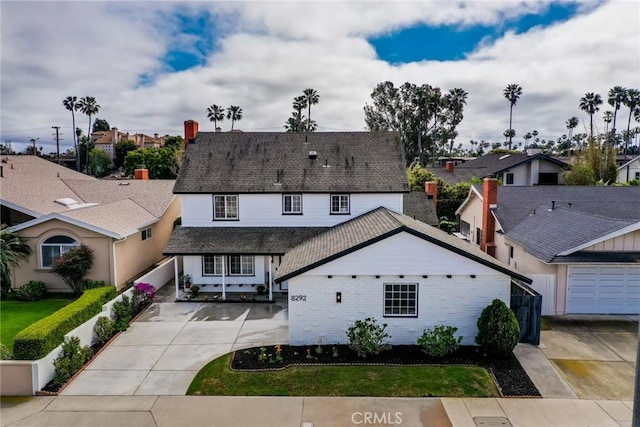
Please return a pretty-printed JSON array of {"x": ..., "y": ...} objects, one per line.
[{"x": 53, "y": 247}]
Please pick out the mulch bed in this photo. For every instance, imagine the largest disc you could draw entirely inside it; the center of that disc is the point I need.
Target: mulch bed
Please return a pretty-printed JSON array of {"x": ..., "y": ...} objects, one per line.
[{"x": 510, "y": 377}]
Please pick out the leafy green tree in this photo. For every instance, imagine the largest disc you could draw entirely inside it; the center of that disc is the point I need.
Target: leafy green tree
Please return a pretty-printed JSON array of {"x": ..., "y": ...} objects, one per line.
[
  {"x": 580, "y": 174},
  {"x": 234, "y": 113},
  {"x": 174, "y": 142},
  {"x": 121, "y": 149},
  {"x": 455, "y": 101},
  {"x": 100, "y": 125},
  {"x": 312, "y": 98},
  {"x": 215, "y": 113},
  {"x": 596, "y": 163},
  {"x": 589, "y": 103},
  {"x": 512, "y": 92},
  {"x": 71, "y": 104},
  {"x": 12, "y": 250},
  {"x": 99, "y": 162},
  {"x": 162, "y": 163},
  {"x": 73, "y": 266}
]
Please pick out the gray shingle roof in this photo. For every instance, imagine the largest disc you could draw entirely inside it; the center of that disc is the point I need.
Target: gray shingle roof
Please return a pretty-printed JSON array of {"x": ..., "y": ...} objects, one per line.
[
  {"x": 548, "y": 233},
  {"x": 593, "y": 257},
  {"x": 237, "y": 240},
  {"x": 418, "y": 206},
  {"x": 515, "y": 204},
  {"x": 279, "y": 162},
  {"x": 370, "y": 228}
]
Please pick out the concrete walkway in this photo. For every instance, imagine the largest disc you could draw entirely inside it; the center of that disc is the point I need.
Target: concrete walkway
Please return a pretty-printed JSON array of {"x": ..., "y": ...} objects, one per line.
[
  {"x": 164, "y": 349},
  {"x": 107, "y": 411}
]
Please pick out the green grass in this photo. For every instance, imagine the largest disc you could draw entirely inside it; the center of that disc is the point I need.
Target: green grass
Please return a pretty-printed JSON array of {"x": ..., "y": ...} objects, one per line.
[
  {"x": 17, "y": 315},
  {"x": 409, "y": 381}
]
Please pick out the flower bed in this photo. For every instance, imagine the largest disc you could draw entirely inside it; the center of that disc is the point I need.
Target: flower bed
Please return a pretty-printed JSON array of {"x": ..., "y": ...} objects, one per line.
[{"x": 510, "y": 377}]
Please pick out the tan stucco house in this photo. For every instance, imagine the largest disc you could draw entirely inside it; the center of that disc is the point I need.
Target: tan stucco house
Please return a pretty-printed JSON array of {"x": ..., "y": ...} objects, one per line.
[
  {"x": 126, "y": 223},
  {"x": 580, "y": 245}
]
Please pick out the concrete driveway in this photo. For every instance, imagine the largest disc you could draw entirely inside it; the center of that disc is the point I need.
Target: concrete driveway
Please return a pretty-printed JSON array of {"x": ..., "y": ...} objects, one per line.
[
  {"x": 596, "y": 355},
  {"x": 170, "y": 342}
]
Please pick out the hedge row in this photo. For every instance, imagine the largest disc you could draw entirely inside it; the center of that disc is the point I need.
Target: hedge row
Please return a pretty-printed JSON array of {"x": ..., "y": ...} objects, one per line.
[{"x": 37, "y": 340}]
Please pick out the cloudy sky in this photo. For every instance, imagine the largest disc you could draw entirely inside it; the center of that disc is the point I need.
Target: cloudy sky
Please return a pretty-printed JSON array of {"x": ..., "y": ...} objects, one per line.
[{"x": 152, "y": 65}]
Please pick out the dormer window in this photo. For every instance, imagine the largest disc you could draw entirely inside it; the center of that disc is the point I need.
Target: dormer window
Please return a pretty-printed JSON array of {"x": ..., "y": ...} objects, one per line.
[
  {"x": 340, "y": 204},
  {"x": 225, "y": 207},
  {"x": 292, "y": 204}
]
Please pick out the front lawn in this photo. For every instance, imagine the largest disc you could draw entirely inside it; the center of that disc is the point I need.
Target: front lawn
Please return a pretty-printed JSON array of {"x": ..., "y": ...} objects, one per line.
[
  {"x": 17, "y": 315},
  {"x": 217, "y": 378}
]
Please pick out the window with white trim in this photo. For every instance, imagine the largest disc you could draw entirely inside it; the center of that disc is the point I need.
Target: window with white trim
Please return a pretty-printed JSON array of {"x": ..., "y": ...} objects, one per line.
[
  {"x": 508, "y": 178},
  {"x": 146, "y": 234},
  {"x": 401, "y": 300},
  {"x": 212, "y": 265},
  {"x": 465, "y": 228},
  {"x": 54, "y": 247},
  {"x": 225, "y": 207},
  {"x": 339, "y": 203},
  {"x": 637, "y": 175},
  {"x": 291, "y": 204},
  {"x": 241, "y": 265}
]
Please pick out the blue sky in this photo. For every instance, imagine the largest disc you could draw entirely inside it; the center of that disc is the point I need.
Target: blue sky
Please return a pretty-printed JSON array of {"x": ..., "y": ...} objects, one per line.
[{"x": 454, "y": 42}]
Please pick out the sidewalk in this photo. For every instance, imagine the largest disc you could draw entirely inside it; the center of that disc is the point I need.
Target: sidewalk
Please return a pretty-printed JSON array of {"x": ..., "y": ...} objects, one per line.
[{"x": 166, "y": 411}]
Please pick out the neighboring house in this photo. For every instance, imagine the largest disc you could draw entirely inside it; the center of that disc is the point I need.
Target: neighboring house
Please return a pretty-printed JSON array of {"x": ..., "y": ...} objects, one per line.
[
  {"x": 629, "y": 171},
  {"x": 247, "y": 198},
  {"x": 107, "y": 140},
  {"x": 581, "y": 245},
  {"x": 533, "y": 168},
  {"x": 125, "y": 222},
  {"x": 388, "y": 266}
]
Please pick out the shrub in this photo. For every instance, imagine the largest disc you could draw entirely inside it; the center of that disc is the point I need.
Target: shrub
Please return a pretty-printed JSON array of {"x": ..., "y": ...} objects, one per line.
[
  {"x": 38, "y": 339},
  {"x": 70, "y": 360},
  {"x": 195, "y": 290},
  {"x": 92, "y": 284},
  {"x": 104, "y": 329},
  {"x": 439, "y": 341},
  {"x": 5, "y": 353},
  {"x": 33, "y": 290},
  {"x": 122, "y": 313},
  {"x": 367, "y": 337},
  {"x": 143, "y": 295},
  {"x": 73, "y": 266},
  {"x": 498, "y": 328}
]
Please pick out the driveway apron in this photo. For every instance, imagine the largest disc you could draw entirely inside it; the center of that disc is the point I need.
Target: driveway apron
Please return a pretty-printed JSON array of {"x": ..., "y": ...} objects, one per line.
[{"x": 170, "y": 342}]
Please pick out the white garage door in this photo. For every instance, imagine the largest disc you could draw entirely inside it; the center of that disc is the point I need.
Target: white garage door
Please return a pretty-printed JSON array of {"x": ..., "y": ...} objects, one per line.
[{"x": 603, "y": 290}]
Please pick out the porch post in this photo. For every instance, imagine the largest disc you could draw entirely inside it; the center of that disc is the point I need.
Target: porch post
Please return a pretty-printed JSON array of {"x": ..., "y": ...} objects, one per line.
[
  {"x": 176, "y": 274},
  {"x": 270, "y": 279},
  {"x": 224, "y": 272}
]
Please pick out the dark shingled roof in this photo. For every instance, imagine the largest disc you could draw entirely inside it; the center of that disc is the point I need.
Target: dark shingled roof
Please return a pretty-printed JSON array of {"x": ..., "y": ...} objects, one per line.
[
  {"x": 237, "y": 240},
  {"x": 539, "y": 233},
  {"x": 369, "y": 228},
  {"x": 418, "y": 206},
  {"x": 515, "y": 204},
  {"x": 489, "y": 164},
  {"x": 269, "y": 162}
]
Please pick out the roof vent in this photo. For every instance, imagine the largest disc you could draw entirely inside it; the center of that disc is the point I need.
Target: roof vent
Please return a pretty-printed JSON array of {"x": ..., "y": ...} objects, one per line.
[
  {"x": 66, "y": 201},
  {"x": 313, "y": 155},
  {"x": 326, "y": 164},
  {"x": 504, "y": 157}
]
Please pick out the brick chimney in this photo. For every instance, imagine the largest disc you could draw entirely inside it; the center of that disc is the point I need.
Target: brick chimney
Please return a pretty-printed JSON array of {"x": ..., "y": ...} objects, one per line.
[
  {"x": 449, "y": 166},
  {"x": 489, "y": 201},
  {"x": 190, "y": 132},
  {"x": 141, "y": 173},
  {"x": 431, "y": 188}
]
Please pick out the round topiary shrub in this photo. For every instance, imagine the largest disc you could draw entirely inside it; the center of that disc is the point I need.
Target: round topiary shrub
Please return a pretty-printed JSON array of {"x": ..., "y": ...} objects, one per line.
[
  {"x": 33, "y": 290},
  {"x": 498, "y": 329}
]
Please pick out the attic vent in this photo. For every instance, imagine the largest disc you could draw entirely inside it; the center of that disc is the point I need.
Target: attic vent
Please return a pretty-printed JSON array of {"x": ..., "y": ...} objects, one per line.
[
  {"x": 326, "y": 164},
  {"x": 66, "y": 201},
  {"x": 124, "y": 183},
  {"x": 504, "y": 157},
  {"x": 313, "y": 155}
]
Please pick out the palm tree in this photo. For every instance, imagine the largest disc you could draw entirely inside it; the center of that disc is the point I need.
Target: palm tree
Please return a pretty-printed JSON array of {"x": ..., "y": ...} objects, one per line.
[
  {"x": 89, "y": 106},
  {"x": 527, "y": 137},
  {"x": 589, "y": 104},
  {"x": 215, "y": 113},
  {"x": 292, "y": 124},
  {"x": 12, "y": 251},
  {"x": 632, "y": 102},
  {"x": 616, "y": 97},
  {"x": 512, "y": 92},
  {"x": 299, "y": 104},
  {"x": 312, "y": 98},
  {"x": 71, "y": 104},
  {"x": 571, "y": 124},
  {"x": 234, "y": 113},
  {"x": 455, "y": 101},
  {"x": 607, "y": 117}
]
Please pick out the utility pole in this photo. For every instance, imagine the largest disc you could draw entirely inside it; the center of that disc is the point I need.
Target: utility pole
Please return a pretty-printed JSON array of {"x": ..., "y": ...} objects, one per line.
[{"x": 57, "y": 135}]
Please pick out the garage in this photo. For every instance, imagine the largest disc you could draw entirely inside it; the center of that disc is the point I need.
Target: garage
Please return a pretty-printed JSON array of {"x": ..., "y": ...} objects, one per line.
[{"x": 593, "y": 289}]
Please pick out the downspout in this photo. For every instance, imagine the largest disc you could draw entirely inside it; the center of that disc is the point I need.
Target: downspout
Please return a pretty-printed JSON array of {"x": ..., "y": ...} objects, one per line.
[
  {"x": 224, "y": 272},
  {"x": 115, "y": 263},
  {"x": 176, "y": 273},
  {"x": 270, "y": 279}
]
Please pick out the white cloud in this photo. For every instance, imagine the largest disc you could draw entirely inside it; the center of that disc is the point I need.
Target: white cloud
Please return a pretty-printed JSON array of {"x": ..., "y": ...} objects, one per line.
[{"x": 269, "y": 52}]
